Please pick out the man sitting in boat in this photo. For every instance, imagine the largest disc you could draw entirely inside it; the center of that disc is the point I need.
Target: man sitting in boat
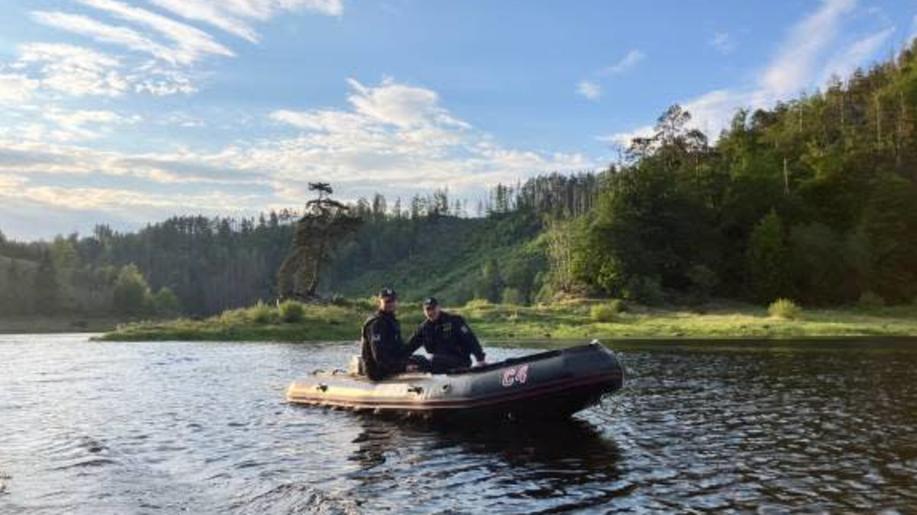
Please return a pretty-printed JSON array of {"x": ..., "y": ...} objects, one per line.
[
  {"x": 447, "y": 338},
  {"x": 382, "y": 346}
]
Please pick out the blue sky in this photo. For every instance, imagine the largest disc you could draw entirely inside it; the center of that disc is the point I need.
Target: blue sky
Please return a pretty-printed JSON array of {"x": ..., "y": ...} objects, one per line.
[{"x": 125, "y": 112}]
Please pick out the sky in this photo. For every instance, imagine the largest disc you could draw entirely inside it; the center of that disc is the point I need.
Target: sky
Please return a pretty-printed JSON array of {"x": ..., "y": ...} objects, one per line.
[{"x": 127, "y": 112}]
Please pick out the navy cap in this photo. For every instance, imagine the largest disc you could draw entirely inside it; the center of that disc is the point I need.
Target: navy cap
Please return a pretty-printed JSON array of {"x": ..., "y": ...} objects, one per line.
[
  {"x": 387, "y": 293},
  {"x": 429, "y": 302}
]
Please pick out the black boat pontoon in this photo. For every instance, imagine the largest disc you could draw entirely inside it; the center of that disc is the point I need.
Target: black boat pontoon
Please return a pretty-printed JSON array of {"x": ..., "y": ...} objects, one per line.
[{"x": 552, "y": 384}]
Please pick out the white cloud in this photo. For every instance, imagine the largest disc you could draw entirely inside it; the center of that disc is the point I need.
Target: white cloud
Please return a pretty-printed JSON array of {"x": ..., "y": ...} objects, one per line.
[
  {"x": 120, "y": 203},
  {"x": 182, "y": 119},
  {"x": 591, "y": 90},
  {"x": 158, "y": 80},
  {"x": 623, "y": 139},
  {"x": 191, "y": 43},
  {"x": 102, "y": 32},
  {"x": 722, "y": 42},
  {"x": 80, "y": 71},
  {"x": 15, "y": 88},
  {"x": 631, "y": 59},
  {"x": 234, "y": 16},
  {"x": 10, "y": 184},
  {"x": 176, "y": 47},
  {"x": 844, "y": 63},
  {"x": 801, "y": 62},
  {"x": 393, "y": 138},
  {"x": 73, "y": 70},
  {"x": 84, "y": 124},
  {"x": 399, "y": 104},
  {"x": 795, "y": 64},
  {"x": 212, "y": 13}
]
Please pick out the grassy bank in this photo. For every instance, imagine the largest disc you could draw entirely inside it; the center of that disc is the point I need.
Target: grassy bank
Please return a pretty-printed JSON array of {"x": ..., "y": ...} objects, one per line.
[{"x": 562, "y": 320}]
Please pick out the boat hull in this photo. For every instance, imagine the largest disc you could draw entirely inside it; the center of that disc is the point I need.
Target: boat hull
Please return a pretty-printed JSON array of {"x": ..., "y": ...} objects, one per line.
[{"x": 553, "y": 384}]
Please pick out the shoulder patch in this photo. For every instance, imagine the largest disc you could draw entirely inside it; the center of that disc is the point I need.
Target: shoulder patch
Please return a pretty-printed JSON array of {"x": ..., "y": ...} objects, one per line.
[{"x": 465, "y": 329}]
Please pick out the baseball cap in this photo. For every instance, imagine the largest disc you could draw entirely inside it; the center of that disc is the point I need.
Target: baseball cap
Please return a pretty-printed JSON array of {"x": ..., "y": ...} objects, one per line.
[
  {"x": 387, "y": 293},
  {"x": 429, "y": 302}
]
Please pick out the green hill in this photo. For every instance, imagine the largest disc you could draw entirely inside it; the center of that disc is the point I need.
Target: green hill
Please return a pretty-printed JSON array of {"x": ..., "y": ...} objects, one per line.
[{"x": 449, "y": 257}]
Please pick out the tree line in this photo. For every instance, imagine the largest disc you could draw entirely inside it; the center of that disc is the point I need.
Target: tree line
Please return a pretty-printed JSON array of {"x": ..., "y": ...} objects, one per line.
[{"x": 811, "y": 200}]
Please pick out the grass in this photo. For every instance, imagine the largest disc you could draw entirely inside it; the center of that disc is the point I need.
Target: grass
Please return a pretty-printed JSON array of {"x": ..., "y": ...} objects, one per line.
[
  {"x": 785, "y": 309},
  {"x": 571, "y": 319}
]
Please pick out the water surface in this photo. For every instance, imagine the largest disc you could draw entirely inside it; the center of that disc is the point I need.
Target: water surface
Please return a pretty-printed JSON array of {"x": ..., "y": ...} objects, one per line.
[{"x": 94, "y": 427}]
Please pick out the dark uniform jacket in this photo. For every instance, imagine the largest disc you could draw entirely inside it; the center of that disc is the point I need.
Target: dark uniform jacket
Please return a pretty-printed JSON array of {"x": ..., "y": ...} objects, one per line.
[
  {"x": 382, "y": 346},
  {"x": 449, "y": 340}
]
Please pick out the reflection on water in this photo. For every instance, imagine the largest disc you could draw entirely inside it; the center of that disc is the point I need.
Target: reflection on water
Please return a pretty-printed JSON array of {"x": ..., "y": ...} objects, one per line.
[
  {"x": 559, "y": 464},
  {"x": 202, "y": 427}
]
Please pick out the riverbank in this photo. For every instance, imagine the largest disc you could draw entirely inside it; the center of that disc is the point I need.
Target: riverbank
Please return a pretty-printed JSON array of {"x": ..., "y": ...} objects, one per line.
[
  {"x": 57, "y": 324},
  {"x": 573, "y": 319}
]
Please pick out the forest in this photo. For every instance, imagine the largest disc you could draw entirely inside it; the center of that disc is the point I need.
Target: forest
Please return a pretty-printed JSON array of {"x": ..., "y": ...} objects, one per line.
[{"x": 812, "y": 200}]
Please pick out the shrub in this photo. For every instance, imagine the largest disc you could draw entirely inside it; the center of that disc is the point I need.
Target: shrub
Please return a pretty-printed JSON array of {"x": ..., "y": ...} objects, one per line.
[
  {"x": 703, "y": 281},
  {"x": 784, "y": 308},
  {"x": 512, "y": 296},
  {"x": 870, "y": 299},
  {"x": 234, "y": 317},
  {"x": 131, "y": 294},
  {"x": 166, "y": 303},
  {"x": 291, "y": 311},
  {"x": 604, "y": 312},
  {"x": 482, "y": 304},
  {"x": 766, "y": 256},
  {"x": 618, "y": 305},
  {"x": 261, "y": 313},
  {"x": 646, "y": 290}
]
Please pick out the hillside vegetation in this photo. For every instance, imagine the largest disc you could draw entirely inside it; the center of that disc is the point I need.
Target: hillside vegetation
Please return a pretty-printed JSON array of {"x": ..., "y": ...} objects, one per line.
[{"x": 811, "y": 201}]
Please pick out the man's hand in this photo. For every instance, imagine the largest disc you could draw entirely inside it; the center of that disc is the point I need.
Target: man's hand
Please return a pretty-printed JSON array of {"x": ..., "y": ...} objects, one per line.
[{"x": 481, "y": 362}]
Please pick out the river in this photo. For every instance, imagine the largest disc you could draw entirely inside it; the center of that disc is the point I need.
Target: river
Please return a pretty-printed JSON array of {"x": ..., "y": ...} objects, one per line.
[{"x": 93, "y": 427}]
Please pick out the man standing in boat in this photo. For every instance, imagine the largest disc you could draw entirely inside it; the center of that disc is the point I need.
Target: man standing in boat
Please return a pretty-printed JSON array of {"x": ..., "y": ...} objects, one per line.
[
  {"x": 447, "y": 338},
  {"x": 382, "y": 346}
]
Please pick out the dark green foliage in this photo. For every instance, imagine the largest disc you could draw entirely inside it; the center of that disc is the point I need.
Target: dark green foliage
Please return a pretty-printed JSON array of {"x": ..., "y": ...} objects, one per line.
[
  {"x": 644, "y": 228},
  {"x": 166, "y": 303},
  {"x": 767, "y": 259},
  {"x": 131, "y": 294},
  {"x": 890, "y": 224},
  {"x": 323, "y": 226},
  {"x": 870, "y": 300},
  {"x": 46, "y": 288},
  {"x": 512, "y": 296},
  {"x": 817, "y": 266},
  {"x": 704, "y": 282},
  {"x": 490, "y": 283},
  {"x": 443, "y": 256}
]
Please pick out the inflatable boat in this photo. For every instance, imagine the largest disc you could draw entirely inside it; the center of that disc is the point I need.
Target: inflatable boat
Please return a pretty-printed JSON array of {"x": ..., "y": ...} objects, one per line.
[{"x": 552, "y": 384}]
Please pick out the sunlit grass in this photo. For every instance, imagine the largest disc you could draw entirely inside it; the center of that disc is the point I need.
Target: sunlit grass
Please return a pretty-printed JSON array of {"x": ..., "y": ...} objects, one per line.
[{"x": 569, "y": 319}]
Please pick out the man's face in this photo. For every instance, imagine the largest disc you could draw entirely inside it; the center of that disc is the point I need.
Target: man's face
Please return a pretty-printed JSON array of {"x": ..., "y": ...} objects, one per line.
[
  {"x": 431, "y": 312},
  {"x": 388, "y": 304}
]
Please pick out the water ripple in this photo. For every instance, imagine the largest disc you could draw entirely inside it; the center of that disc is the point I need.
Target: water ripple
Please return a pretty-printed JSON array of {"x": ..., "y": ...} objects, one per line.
[{"x": 202, "y": 427}]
